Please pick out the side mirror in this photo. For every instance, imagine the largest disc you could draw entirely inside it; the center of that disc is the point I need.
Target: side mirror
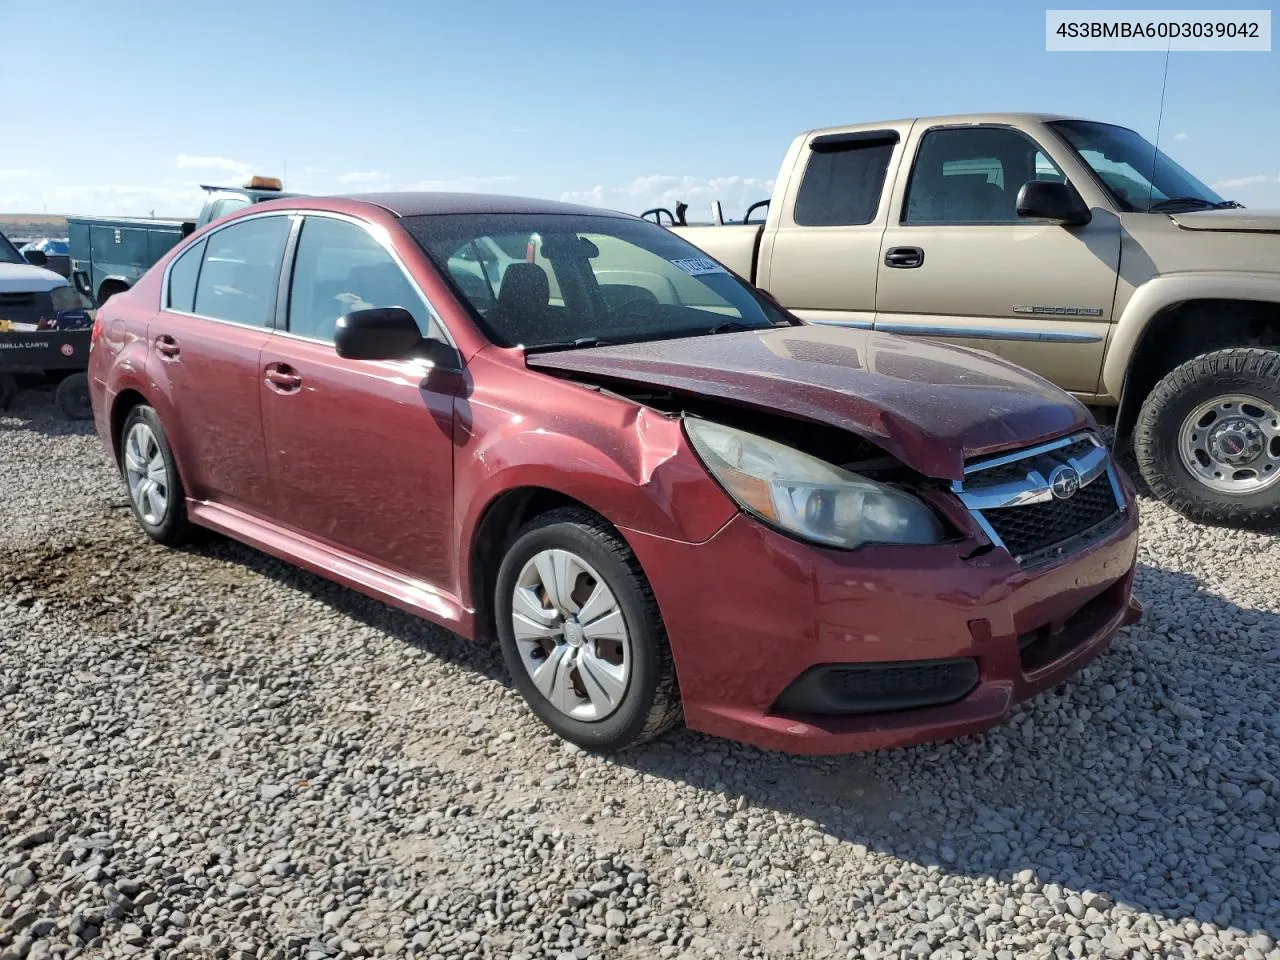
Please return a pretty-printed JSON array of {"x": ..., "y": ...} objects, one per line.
[
  {"x": 1050, "y": 200},
  {"x": 36, "y": 258},
  {"x": 390, "y": 333}
]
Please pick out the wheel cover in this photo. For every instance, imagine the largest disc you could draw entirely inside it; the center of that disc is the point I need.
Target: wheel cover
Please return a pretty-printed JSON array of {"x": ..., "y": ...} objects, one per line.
[
  {"x": 1231, "y": 444},
  {"x": 571, "y": 635},
  {"x": 146, "y": 474}
]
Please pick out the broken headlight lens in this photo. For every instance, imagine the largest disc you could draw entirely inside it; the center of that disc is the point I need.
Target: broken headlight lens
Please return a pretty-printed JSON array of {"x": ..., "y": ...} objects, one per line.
[{"x": 808, "y": 497}]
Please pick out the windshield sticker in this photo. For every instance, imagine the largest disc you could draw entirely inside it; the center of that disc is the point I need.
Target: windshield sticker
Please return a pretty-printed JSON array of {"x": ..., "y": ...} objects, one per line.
[{"x": 699, "y": 266}]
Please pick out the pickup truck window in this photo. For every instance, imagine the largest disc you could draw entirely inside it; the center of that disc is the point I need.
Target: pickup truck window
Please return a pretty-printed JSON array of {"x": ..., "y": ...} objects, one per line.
[
  {"x": 1119, "y": 157},
  {"x": 584, "y": 279},
  {"x": 842, "y": 183},
  {"x": 241, "y": 270},
  {"x": 220, "y": 208},
  {"x": 182, "y": 279},
  {"x": 972, "y": 175},
  {"x": 340, "y": 268}
]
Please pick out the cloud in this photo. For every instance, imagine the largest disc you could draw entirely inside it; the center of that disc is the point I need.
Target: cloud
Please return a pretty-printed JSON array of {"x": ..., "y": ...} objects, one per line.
[
  {"x": 363, "y": 176},
  {"x": 188, "y": 162},
  {"x": 734, "y": 193},
  {"x": 1180, "y": 136},
  {"x": 171, "y": 200},
  {"x": 1237, "y": 182},
  {"x": 13, "y": 173},
  {"x": 461, "y": 184}
]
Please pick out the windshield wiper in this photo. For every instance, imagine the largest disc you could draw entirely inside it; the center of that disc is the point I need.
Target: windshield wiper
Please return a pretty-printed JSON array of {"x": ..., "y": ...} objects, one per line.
[
  {"x": 569, "y": 344},
  {"x": 1172, "y": 202}
]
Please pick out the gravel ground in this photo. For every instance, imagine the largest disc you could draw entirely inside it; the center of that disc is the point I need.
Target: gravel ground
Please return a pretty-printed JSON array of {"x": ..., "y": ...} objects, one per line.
[{"x": 207, "y": 753}]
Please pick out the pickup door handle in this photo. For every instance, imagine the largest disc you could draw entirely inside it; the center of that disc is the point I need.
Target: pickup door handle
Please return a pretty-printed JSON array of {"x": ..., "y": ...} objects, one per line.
[
  {"x": 282, "y": 379},
  {"x": 167, "y": 347},
  {"x": 903, "y": 257}
]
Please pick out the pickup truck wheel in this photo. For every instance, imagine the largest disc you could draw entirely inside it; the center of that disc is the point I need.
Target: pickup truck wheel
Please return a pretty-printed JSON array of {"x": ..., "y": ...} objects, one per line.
[
  {"x": 72, "y": 397},
  {"x": 581, "y": 633},
  {"x": 1207, "y": 439}
]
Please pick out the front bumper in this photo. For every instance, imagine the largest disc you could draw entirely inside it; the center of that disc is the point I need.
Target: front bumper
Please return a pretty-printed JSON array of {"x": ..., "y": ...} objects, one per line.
[{"x": 750, "y": 611}]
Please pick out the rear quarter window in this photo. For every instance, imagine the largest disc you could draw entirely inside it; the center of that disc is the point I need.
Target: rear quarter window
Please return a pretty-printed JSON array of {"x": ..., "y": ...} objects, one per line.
[{"x": 182, "y": 279}]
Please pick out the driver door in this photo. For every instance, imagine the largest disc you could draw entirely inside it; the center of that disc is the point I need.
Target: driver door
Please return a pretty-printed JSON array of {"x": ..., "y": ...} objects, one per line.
[
  {"x": 1037, "y": 293},
  {"x": 360, "y": 452}
]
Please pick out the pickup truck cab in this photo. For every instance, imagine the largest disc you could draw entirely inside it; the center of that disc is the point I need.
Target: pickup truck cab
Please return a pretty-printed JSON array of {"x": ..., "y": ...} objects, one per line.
[
  {"x": 1071, "y": 247},
  {"x": 109, "y": 254}
]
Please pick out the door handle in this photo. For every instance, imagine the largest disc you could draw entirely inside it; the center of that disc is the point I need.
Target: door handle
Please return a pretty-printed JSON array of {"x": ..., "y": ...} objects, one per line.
[
  {"x": 282, "y": 379},
  {"x": 903, "y": 257},
  {"x": 167, "y": 347}
]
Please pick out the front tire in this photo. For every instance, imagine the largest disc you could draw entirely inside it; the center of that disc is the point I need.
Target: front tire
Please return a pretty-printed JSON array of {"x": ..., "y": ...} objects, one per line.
[
  {"x": 1207, "y": 440},
  {"x": 151, "y": 476},
  {"x": 581, "y": 633}
]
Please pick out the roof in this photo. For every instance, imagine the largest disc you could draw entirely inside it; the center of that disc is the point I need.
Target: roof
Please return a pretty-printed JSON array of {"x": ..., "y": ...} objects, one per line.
[
  {"x": 954, "y": 118},
  {"x": 421, "y": 203}
]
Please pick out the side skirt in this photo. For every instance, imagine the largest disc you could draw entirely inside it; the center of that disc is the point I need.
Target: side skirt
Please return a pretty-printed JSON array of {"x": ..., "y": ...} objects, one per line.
[{"x": 414, "y": 596}]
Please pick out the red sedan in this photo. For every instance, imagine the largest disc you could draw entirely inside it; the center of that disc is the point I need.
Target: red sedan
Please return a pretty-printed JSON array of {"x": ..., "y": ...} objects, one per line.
[{"x": 660, "y": 491}]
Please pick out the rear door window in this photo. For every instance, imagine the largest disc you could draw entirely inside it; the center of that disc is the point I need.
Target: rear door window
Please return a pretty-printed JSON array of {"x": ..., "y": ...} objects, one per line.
[
  {"x": 182, "y": 279},
  {"x": 241, "y": 271},
  {"x": 843, "y": 181}
]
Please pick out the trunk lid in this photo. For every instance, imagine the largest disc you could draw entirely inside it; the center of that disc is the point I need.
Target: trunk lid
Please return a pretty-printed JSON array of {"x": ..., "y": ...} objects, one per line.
[{"x": 930, "y": 404}]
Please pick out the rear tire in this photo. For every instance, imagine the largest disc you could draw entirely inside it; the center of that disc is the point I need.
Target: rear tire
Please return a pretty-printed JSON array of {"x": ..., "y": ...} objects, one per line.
[
  {"x": 72, "y": 397},
  {"x": 1194, "y": 470},
  {"x": 151, "y": 476},
  {"x": 604, "y": 693}
]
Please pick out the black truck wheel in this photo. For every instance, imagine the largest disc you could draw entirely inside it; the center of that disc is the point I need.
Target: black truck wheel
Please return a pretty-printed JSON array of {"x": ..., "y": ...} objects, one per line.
[
  {"x": 8, "y": 389},
  {"x": 1208, "y": 438},
  {"x": 72, "y": 397}
]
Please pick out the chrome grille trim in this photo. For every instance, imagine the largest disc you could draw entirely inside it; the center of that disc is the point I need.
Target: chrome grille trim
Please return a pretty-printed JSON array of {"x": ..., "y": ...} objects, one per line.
[{"x": 1034, "y": 486}]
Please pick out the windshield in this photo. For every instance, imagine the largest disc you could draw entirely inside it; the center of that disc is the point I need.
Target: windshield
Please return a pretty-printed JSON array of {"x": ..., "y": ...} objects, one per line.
[
  {"x": 1141, "y": 178},
  {"x": 8, "y": 252},
  {"x": 557, "y": 280}
]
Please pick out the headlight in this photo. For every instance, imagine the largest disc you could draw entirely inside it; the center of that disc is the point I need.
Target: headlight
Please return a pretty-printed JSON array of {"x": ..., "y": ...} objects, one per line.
[{"x": 808, "y": 497}]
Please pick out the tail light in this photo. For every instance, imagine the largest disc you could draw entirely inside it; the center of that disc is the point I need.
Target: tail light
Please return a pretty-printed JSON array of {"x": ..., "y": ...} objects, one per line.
[{"x": 95, "y": 334}]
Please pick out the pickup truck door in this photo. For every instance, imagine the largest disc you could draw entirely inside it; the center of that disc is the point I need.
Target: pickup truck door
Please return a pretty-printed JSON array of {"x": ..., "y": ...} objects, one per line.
[
  {"x": 821, "y": 244},
  {"x": 956, "y": 262}
]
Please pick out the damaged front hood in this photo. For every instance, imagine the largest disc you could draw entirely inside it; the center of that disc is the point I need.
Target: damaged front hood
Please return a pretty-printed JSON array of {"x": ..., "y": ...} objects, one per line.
[{"x": 930, "y": 404}]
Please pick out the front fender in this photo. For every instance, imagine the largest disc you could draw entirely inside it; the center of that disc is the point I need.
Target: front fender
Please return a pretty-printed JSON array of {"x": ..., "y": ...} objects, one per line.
[
  {"x": 1168, "y": 290},
  {"x": 638, "y": 474}
]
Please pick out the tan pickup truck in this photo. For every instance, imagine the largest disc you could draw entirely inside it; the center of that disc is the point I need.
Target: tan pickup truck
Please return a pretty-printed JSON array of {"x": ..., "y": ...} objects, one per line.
[{"x": 1071, "y": 247}]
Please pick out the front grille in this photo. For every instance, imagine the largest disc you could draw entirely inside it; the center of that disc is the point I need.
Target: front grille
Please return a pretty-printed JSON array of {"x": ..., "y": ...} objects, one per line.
[
  {"x": 1018, "y": 469},
  {"x": 26, "y": 307},
  {"x": 1033, "y": 532}
]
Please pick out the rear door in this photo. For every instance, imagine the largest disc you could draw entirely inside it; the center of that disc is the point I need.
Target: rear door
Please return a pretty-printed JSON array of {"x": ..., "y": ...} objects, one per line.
[
  {"x": 360, "y": 451},
  {"x": 958, "y": 263},
  {"x": 820, "y": 260},
  {"x": 218, "y": 304}
]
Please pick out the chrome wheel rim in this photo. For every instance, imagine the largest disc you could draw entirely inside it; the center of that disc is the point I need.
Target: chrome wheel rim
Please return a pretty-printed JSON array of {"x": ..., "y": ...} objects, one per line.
[
  {"x": 1232, "y": 444},
  {"x": 571, "y": 635},
  {"x": 146, "y": 474}
]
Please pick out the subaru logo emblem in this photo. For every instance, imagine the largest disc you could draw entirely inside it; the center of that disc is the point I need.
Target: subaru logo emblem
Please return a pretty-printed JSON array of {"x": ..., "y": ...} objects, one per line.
[{"x": 1064, "y": 482}]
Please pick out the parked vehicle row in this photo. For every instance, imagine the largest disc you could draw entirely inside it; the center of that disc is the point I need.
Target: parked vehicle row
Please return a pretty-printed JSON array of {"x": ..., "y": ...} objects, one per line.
[
  {"x": 659, "y": 489},
  {"x": 1071, "y": 247},
  {"x": 109, "y": 254}
]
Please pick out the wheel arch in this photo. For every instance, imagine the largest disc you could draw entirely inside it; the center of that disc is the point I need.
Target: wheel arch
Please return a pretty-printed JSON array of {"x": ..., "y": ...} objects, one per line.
[
  {"x": 1163, "y": 328},
  {"x": 109, "y": 287},
  {"x": 500, "y": 520},
  {"x": 121, "y": 405}
]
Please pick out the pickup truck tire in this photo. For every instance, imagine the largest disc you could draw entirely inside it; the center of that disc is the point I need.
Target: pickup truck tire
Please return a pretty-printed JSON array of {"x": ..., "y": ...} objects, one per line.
[
  {"x": 1207, "y": 440},
  {"x": 72, "y": 397},
  {"x": 613, "y": 682}
]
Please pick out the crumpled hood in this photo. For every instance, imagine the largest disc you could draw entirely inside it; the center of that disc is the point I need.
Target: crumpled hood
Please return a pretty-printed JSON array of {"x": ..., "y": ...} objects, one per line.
[
  {"x": 930, "y": 404},
  {"x": 26, "y": 278},
  {"x": 1252, "y": 221}
]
